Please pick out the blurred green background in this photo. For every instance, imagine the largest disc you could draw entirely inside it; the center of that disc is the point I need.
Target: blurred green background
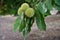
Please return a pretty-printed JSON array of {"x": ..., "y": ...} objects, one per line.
[{"x": 10, "y": 7}]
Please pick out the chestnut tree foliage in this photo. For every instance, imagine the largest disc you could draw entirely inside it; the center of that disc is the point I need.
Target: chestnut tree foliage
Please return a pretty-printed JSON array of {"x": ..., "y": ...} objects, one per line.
[
  {"x": 28, "y": 11},
  {"x": 40, "y": 9}
]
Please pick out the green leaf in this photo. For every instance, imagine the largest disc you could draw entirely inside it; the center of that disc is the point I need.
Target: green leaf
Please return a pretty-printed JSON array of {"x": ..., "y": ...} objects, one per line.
[
  {"x": 57, "y": 2},
  {"x": 18, "y": 21},
  {"x": 27, "y": 29},
  {"x": 42, "y": 8},
  {"x": 57, "y": 7},
  {"x": 49, "y": 4},
  {"x": 40, "y": 20},
  {"x": 31, "y": 21},
  {"x": 25, "y": 33},
  {"x": 46, "y": 14},
  {"x": 22, "y": 26}
]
